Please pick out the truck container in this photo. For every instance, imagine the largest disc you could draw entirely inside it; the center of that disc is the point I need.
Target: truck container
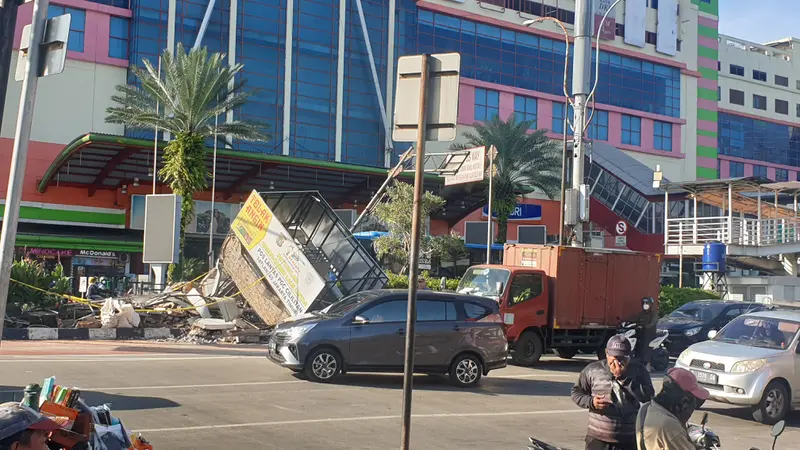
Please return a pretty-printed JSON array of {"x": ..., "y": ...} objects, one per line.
[{"x": 567, "y": 299}]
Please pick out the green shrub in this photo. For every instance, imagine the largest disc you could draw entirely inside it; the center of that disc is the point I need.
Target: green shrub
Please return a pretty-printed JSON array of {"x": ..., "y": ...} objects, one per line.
[
  {"x": 23, "y": 298},
  {"x": 671, "y": 298},
  {"x": 399, "y": 281}
]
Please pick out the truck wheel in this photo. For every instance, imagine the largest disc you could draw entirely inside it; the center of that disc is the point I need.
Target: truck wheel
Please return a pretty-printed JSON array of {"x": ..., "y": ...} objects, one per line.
[
  {"x": 528, "y": 349},
  {"x": 566, "y": 353},
  {"x": 774, "y": 404}
]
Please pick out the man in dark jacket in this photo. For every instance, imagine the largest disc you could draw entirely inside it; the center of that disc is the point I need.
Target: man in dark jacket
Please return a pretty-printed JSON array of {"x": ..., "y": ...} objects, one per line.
[
  {"x": 613, "y": 390},
  {"x": 647, "y": 320}
]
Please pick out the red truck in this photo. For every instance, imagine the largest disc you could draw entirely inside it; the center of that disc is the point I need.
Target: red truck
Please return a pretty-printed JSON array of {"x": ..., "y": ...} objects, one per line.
[{"x": 567, "y": 299}]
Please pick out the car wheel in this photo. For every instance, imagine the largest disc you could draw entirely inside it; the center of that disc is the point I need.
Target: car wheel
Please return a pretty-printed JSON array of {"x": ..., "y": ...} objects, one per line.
[
  {"x": 323, "y": 365},
  {"x": 528, "y": 349},
  {"x": 466, "y": 370},
  {"x": 566, "y": 353},
  {"x": 774, "y": 404}
]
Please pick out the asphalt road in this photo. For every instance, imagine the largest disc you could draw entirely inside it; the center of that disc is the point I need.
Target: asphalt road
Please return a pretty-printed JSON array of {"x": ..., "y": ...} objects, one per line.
[{"x": 204, "y": 397}]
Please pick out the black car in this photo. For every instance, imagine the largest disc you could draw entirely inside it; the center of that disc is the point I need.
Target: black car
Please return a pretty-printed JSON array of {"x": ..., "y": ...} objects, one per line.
[{"x": 691, "y": 322}]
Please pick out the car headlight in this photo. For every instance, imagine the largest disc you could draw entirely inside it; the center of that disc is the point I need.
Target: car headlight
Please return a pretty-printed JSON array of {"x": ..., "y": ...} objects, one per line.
[
  {"x": 748, "y": 366},
  {"x": 300, "y": 331},
  {"x": 684, "y": 358},
  {"x": 692, "y": 331}
]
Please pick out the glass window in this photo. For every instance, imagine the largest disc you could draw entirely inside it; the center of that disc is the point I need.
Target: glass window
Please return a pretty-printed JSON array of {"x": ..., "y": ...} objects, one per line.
[
  {"x": 487, "y": 104},
  {"x": 435, "y": 311},
  {"x": 759, "y": 140},
  {"x": 118, "y": 38},
  {"x": 631, "y": 130},
  {"x": 759, "y": 102},
  {"x": 391, "y": 311},
  {"x": 77, "y": 26},
  {"x": 781, "y": 106},
  {"x": 737, "y": 70},
  {"x": 759, "y": 75},
  {"x": 475, "y": 312},
  {"x": 759, "y": 332},
  {"x": 598, "y": 128},
  {"x": 760, "y": 171},
  {"x": 736, "y": 97},
  {"x": 525, "y": 109},
  {"x": 558, "y": 118},
  {"x": 797, "y": 109},
  {"x": 662, "y": 136},
  {"x": 781, "y": 81},
  {"x": 524, "y": 287},
  {"x": 736, "y": 169},
  {"x": 781, "y": 175}
]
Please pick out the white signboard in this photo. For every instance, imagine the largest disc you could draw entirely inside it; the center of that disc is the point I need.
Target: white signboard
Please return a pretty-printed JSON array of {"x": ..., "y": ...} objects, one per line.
[
  {"x": 667, "y": 27},
  {"x": 473, "y": 170},
  {"x": 635, "y": 21},
  {"x": 609, "y": 30},
  {"x": 622, "y": 228},
  {"x": 621, "y": 241},
  {"x": 275, "y": 253}
]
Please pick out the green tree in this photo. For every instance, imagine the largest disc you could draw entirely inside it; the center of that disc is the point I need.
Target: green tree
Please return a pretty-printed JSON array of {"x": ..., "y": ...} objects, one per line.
[
  {"x": 194, "y": 87},
  {"x": 33, "y": 273},
  {"x": 526, "y": 162},
  {"x": 396, "y": 214}
]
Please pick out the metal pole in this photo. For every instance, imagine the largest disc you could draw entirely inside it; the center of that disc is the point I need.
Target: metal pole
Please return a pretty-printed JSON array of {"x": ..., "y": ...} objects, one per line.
[
  {"x": 563, "y": 178},
  {"x": 490, "y": 222},
  {"x": 582, "y": 67},
  {"x": 375, "y": 198},
  {"x": 204, "y": 25},
  {"x": 413, "y": 270},
  {"x": 375, "y": 81},
  {"x": 730, "y": 214},
  {"x": 8, "y": 23},
  {"x": 19, "y": 155},
  {"x": 213, "y": 197},
  {"x": 155, "y": 139}
]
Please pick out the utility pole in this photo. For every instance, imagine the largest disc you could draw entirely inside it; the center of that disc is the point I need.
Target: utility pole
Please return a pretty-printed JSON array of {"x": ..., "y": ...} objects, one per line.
[
  {"x": 8, "y": 23},
  {"x": 581, "y": 87}
]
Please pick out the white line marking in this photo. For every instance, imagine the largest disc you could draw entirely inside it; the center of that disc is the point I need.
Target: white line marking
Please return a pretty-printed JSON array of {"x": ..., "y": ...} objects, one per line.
[
  {"x": 355, "y": 419},
  {"x": 123, "y": 359}
]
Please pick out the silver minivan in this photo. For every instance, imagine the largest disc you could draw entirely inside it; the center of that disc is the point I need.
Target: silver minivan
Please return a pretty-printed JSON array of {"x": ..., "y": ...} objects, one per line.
[{"x": 459, "y": 335}]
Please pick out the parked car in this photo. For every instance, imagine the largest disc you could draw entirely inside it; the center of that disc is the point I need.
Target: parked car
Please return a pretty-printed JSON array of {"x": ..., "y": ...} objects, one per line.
[
  {"x": 691, "y": 322},
  {"x": 753, "y": 361},
  {"x": 460, "y": 335}
]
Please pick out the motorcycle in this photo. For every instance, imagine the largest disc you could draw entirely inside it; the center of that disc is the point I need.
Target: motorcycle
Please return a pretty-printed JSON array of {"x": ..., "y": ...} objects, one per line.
[
  {"x": 659, "y": 357},
  {"x": 702, "y": 437}
]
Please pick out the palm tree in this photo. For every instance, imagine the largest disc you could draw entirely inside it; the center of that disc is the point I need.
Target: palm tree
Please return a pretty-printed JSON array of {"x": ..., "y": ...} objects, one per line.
[
  {"x": 195, "y": 88},
  {"x": 526, "y": 162}
]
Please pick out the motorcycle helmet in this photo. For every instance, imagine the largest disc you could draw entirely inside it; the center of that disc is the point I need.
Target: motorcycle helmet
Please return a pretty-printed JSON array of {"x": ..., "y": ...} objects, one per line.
[{"x": 647, "y": 303}]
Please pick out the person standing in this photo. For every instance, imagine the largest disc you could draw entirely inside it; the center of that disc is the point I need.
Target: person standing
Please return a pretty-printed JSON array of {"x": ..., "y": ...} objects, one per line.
[
  {"x": 613, "y": 390},
  {"x": 647, "y": 321},
  {"x": 661, "y": 424}
]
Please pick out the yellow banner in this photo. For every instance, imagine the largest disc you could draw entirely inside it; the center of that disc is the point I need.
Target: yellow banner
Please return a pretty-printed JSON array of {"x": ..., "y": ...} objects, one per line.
[{"x": 252, "y": 221}]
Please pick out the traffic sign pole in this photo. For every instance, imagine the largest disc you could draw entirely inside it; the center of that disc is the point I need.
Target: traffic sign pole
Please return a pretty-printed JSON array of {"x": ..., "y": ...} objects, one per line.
[{"x": 8, "y": 23}]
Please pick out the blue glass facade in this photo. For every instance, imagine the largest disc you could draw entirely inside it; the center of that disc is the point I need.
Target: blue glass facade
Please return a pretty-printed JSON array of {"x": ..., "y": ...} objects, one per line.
[
  {"x": 489, "y": 54},
  {"x": 525, "y": 108},
  {"x": 77, "y": 25},
  {"x": 748, "y": 138}
]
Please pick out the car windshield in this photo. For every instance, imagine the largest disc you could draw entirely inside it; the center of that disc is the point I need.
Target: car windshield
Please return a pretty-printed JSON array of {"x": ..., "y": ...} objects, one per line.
[
  {"x": 760, "y": 332},
  {"x": 702, "y": 312},
  {"x": 349, "y": 303},
  {"x": 483, "y": 281}
]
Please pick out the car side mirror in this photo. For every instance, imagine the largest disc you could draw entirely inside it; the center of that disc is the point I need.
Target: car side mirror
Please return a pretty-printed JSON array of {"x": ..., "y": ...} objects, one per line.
[
  {"x": 778, "y": 428},
  {"x": 360, "y": 320},
  {"x": 712, "y": 334}
]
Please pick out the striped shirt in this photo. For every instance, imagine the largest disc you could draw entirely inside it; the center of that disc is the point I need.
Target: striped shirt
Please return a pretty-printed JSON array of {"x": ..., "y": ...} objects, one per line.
[{"x": 617, "y": 422}]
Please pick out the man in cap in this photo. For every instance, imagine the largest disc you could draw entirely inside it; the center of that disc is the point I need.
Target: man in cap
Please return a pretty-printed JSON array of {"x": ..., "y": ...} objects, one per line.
[
  {"x": 661, "y": 424},
  {"x": 22, "y": 428},
  {"x": 613, "y": 390}
]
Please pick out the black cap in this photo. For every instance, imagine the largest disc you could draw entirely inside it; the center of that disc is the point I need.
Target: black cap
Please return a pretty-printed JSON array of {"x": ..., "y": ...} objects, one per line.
[{"x": 618, "y": 346}]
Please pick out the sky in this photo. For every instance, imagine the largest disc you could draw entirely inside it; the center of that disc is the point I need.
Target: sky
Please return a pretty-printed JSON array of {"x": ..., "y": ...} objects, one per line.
[{"x": 759, "y": 21}]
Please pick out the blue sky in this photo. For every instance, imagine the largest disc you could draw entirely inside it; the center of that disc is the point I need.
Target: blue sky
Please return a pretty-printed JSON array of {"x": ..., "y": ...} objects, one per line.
[{"x": 759, "y": 21}]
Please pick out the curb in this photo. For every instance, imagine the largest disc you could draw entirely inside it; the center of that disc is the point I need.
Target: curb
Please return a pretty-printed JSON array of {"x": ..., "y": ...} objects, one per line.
[{"x": 86, "y": 334}]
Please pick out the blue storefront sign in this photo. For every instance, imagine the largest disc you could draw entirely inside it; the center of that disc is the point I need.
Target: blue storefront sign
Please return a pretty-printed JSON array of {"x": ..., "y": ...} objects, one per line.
[{"x": 523, "y": 211}]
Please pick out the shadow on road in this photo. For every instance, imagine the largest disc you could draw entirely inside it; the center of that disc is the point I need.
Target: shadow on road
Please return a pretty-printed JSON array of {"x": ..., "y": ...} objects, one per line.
[
  {"x": 792, "y": 420},
  {"x": 93, "y": 398},
  {"x": 487, "y": 386}
]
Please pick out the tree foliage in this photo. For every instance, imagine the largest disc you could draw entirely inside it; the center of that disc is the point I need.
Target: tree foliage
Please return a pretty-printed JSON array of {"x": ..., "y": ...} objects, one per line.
[
  {"x": 526, "y": 162},
  {"x": 194, "y": 88},
  {"x": 671, "y": 298},
  {"x": 396, "y": 215},
  {"x": 22, "y": 298}
]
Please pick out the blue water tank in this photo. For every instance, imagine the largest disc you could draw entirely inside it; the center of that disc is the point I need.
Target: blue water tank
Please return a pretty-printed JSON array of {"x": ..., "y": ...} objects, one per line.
[{"x": 714, "y": 257}]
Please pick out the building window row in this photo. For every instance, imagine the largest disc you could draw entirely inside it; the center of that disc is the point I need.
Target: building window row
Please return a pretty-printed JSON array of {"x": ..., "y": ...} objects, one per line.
[
  {"x": 118, "y": 38},
  {"x": 758, "y": 75},
  {"x": 737, "y": 97},
  {"x": 758, "y": 140}
]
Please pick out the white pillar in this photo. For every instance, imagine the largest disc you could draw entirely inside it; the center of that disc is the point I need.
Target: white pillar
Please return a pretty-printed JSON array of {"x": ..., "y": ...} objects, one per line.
[
  {"x": 233, "y": 23},
  {"x": 390, "y": 43},
  {"x": 171, "y": 14},
  {"x": 287, "y": 77},
  {"x": 340, "y": 79}
]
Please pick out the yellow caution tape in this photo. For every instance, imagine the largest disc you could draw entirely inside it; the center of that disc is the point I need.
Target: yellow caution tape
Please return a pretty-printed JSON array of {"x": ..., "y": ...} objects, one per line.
[{"x": 74, "y": 299}]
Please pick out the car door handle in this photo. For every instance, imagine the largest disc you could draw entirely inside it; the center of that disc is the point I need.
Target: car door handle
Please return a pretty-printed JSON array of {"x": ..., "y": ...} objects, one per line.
[{"x": 401, "y": 332}]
